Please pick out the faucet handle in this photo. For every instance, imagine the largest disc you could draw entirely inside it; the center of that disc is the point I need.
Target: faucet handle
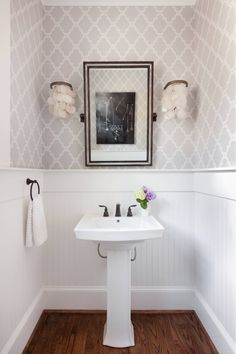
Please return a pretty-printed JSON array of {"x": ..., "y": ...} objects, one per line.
[
  {"x": 118, "y": 213},
  {"x": 129, "y": 213},
  {"x": 105, "y": 210}
]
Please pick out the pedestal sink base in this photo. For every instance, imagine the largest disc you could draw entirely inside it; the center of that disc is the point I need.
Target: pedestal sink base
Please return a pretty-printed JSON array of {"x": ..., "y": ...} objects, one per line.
[
  {"x": 118, "y": 236},
  {"x": 118, "y": 331},
  {"x": 124, "y": 341}
]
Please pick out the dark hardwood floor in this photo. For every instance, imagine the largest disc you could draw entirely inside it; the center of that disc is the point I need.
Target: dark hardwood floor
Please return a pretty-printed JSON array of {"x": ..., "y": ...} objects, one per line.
[{"x": 81, "y": 333}]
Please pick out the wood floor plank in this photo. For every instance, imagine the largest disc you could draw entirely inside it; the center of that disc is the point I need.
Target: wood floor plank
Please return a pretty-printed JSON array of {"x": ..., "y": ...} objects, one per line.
[
  {"x": 78, "y": 335},
  {"x": 82, "y": 333}
]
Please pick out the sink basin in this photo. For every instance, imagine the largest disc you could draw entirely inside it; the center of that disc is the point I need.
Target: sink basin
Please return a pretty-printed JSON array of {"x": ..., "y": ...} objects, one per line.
[
  {"x": 118, "y": 229},
  {"x": 118, "y": 235}
]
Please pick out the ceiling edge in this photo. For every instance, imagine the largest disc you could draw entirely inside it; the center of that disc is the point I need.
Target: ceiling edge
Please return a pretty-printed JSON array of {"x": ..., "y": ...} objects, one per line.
[{"x": 118, "y": 2}]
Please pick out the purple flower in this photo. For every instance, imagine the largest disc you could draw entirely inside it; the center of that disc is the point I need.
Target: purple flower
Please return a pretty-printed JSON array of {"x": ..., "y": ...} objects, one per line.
[
  {"x": 145, "y": 189},
  {"x": 150, "y": 195}
]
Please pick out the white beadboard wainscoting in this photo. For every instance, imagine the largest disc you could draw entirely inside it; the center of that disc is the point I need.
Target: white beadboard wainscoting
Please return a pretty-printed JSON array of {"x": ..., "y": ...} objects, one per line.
[
  {"x": 215, "y": 256},
  {"x": 162, "y": 262},
  {"x": 21, "y": 269},
  {"x": 191, "y": 267},
  {"x": 168, "y": 273}
]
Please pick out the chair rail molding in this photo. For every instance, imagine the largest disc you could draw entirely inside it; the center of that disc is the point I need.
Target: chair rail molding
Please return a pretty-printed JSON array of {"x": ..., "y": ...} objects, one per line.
[{"x": 118, "y": 3}]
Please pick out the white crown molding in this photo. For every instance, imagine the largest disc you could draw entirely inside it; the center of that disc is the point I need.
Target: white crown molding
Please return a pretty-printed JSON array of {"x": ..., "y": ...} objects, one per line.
[{"x": 119, "y": 2}]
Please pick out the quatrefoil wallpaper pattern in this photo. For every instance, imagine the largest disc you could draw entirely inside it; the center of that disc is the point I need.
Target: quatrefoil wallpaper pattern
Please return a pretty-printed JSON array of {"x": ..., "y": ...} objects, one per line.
[
  {"x": 73, "y": 35},
  {"x": 51, "y": 43},
  {"x": 215, "y": 75},
  {"x": 26, "y": 83}
]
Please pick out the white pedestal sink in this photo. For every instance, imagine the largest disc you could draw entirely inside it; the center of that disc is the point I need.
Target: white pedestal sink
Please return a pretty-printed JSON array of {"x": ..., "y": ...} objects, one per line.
[{"x": 118, "y": 236}]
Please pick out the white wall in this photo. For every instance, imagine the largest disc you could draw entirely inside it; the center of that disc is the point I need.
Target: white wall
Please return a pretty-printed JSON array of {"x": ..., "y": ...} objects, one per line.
[
  {"x": 215, "y": 250},
  {"x": 20, "y": 268},
  {"x": 68, "y": 195},
  {"x": 194, "y": 256},
  {"x": 196, "y": 252},
  {"x": 5, "y": 86}
]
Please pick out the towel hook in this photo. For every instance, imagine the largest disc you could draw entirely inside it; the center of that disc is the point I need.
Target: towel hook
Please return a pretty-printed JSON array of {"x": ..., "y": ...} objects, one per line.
[{"x": 31, "y": 182}]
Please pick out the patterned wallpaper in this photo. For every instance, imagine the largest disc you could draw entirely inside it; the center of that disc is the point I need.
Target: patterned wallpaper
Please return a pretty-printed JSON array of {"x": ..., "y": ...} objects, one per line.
[
  {"x": 73, "y": 35},
  {"x": 215, "y": 74},
  {"x": 26, "y": 83},
  {"x": 197, "y": 44}
]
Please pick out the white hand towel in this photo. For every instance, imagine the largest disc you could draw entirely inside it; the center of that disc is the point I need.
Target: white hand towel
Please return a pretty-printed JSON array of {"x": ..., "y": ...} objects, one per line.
[{"x": 36, "y": 229}]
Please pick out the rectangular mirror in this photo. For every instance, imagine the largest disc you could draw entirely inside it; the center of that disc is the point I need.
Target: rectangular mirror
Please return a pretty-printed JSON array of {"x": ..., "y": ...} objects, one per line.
[{"x": 118, "y": 101}]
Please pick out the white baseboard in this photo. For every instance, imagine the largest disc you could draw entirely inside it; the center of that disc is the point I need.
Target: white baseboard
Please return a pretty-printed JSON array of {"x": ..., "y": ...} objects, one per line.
[
  {"x": 75, "y": 298},
  {"x": 94, "y": 298},
  {"x": 143, "y": 298},
  {"x": 21, "y": 334},
  {"x": 220, "y": 337}
]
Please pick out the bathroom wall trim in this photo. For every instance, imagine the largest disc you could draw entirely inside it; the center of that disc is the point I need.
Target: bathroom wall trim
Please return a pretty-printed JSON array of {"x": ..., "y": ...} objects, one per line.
[
  {"x": 92, "y": 298},
  {"x": 118, "y": 3},
  {"x": 102, "y": 170},
  {"x": 222, "y": 340},
  {"x": 20, "y": 268},
  {"x": 114, "y": 181},
  {"x": 146, "y": 169},
  {"x": 21, "y": 334},
  {"x": 143, "y": 298},
  {"x": 218, "y": 184},
  {"x": 13, "y": 185}
]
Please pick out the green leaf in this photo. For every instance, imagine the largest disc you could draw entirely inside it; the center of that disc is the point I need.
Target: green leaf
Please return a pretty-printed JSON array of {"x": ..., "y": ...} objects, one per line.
[{"x": 144, "y": 204}]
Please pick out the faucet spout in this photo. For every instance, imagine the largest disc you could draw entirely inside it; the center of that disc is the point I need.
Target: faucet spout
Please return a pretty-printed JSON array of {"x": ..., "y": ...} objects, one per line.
[{"x": 118, "y": 213}]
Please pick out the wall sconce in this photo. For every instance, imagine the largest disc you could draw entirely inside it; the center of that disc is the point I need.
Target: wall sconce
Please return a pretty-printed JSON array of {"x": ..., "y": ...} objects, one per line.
[
  {"x": 174, "y": 99},
  {"x": 62, "y": 99}
]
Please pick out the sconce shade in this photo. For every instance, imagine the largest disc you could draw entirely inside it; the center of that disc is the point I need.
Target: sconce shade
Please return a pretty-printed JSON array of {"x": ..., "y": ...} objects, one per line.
[
  {"x": 176, "y": 82},
  {"x": 174, "y": 99},
  {"x": 62, "y": 99}
]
